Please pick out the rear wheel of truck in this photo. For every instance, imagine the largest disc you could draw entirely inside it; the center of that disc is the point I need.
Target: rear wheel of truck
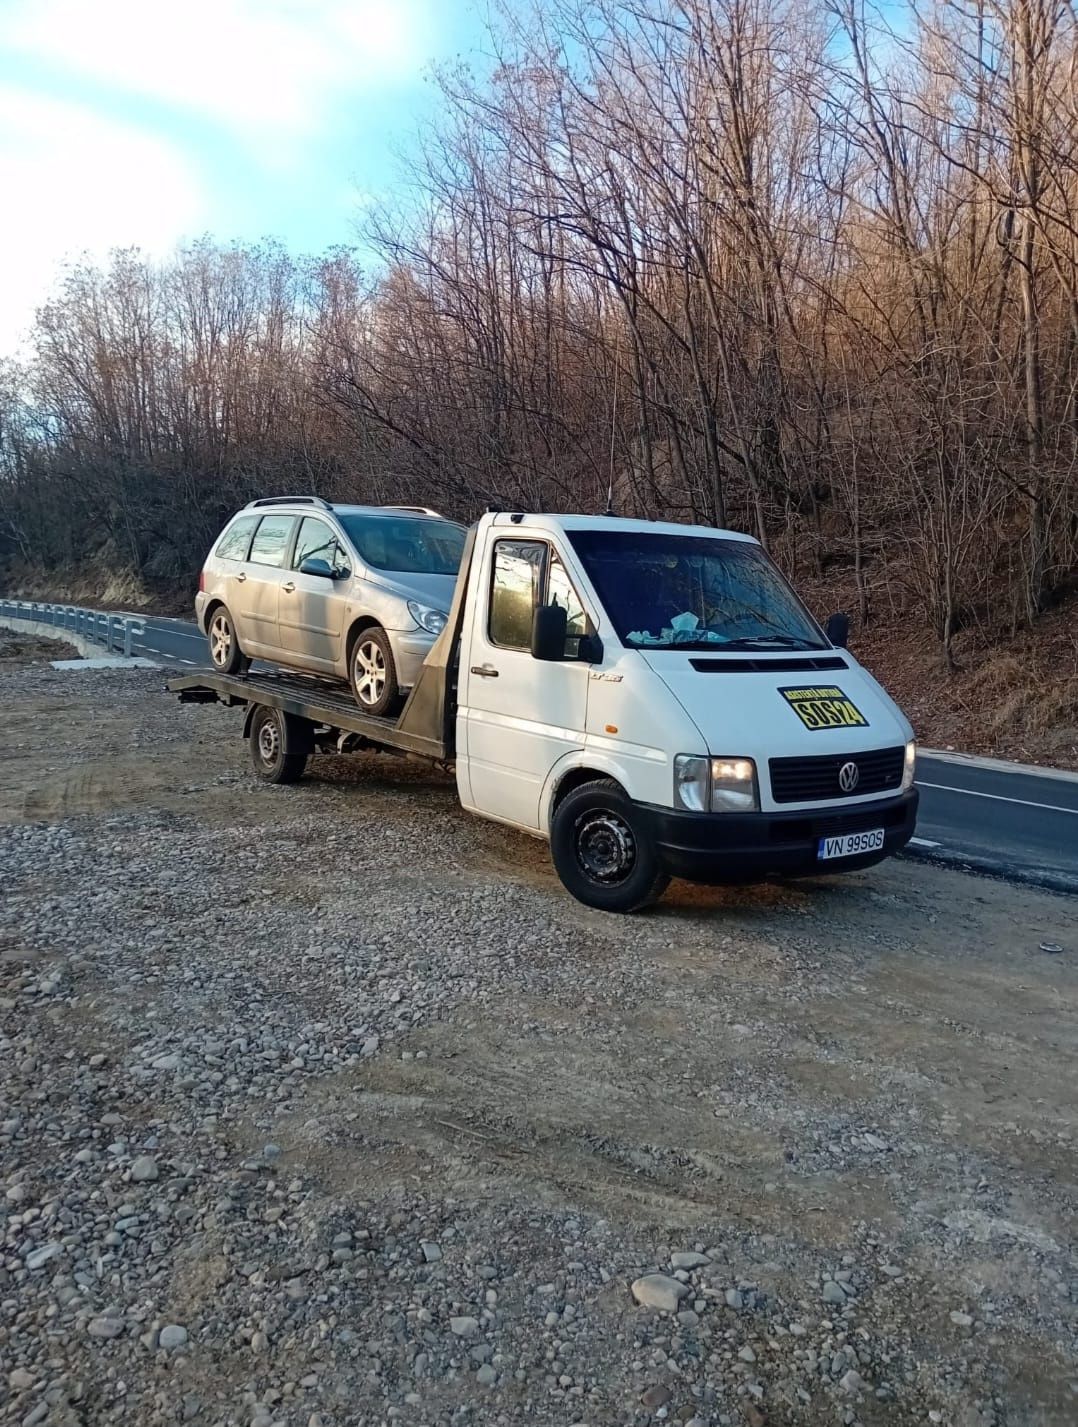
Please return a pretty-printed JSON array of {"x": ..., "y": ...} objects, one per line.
[
  {"x": 602, "y": 853},
  {"x": 279, "y": 743}
]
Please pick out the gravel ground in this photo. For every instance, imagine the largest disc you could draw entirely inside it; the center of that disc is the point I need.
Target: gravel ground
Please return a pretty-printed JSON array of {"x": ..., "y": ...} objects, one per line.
[{"x": 325, "y": 1105}]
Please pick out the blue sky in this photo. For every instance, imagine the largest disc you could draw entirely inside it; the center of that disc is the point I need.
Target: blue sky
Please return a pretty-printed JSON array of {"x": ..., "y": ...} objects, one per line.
[{"x": 150, "y": 121}]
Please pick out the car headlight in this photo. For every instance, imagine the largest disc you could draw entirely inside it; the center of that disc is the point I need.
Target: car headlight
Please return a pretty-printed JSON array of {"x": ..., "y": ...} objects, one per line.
[
  {"x": 721, "y": 785},
  {"x": 432, "y": 620},
  {"x": 909, "y": 771}
]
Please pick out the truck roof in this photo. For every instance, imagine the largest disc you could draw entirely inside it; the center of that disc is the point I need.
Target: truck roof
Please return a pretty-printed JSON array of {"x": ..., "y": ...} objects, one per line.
[{"x": 616, "y": 523}]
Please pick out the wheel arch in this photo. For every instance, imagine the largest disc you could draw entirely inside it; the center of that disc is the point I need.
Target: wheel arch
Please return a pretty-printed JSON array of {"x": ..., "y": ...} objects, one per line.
[
  {"x": 572, "y": 772},
  {"x": 212, "y": 606},
  {"x": 359, "y": 625}
]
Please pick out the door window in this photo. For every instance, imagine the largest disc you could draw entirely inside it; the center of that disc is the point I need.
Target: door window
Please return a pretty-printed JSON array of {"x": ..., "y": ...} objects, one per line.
[
  {"x": 560, "y": 592},
  {"x": 271, "y": 540},
  {"x": 234, "y": 543},
  {"x": 514, "y": 593},
  {"x": 317, "y": 541}
]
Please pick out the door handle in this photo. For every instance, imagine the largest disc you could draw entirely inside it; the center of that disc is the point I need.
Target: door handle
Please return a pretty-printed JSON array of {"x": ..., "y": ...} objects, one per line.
[
  {"x": 485, "y": 671},
  {"x": 240, "y": 578},
  {"x": 288, "y": 588}
]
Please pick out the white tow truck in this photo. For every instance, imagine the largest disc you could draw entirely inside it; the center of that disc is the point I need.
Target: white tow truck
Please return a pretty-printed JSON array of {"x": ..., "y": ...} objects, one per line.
[{"x": 651, "y": 698}]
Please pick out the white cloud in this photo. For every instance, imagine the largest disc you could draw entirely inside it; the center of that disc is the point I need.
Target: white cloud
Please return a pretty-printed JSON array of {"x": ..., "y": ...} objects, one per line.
[
  {"x": 74, "y": 182},
  {"x": 269, "y": 70}
]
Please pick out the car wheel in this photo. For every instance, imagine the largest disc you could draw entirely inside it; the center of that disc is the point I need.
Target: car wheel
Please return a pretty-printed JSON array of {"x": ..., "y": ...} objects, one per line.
[
  {"x": 602, "y": 852},
  {"x": 226, "y": 656},
  {"x": 279, "y": 745},
  {"x": 373, "y": 672}
]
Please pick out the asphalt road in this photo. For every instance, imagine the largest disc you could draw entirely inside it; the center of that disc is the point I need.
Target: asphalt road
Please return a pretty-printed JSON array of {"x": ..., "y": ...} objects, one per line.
[{"x": 1001, "y": 818}]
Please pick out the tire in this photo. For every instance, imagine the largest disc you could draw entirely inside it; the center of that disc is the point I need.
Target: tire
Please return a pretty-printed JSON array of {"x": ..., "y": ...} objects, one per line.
[
  {"x": 601, "y": 851},
  {"x": 226, "y": 656},
  {"x": 279, "y": 744},
  {"x": 373, "y": 673}
]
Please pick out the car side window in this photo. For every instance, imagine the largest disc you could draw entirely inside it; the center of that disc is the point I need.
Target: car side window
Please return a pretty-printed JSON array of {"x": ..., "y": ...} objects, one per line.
[
  {"x": 317, "y": 541},
  {"x": 560, "y": 591},
  {"x": 235, "y": 542},
  {"x": 271, "y": 540},
  {"x": 514, "y": 591}
]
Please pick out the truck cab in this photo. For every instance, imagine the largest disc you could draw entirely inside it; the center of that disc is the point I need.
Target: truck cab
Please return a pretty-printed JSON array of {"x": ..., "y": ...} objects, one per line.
[{"x": 656, "y": 700}]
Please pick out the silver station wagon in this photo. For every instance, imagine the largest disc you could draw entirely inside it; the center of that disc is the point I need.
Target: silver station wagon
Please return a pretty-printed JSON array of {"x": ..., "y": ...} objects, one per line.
[{"x": 352, "y": 591}]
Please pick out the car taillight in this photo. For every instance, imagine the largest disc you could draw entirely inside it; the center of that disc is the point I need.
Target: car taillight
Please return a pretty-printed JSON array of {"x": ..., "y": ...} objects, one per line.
[{"x": 202, "y": 582}]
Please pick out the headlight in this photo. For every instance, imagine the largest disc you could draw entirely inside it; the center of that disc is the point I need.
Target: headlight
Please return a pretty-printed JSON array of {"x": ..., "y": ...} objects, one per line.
[
  {"x": 909, "y": 772},
  {"x": 691, "y": 782},
  {"x": 432, "y": 620},
  {"x": 719, "y": 785},
  {"x": 733, "y": 785}
]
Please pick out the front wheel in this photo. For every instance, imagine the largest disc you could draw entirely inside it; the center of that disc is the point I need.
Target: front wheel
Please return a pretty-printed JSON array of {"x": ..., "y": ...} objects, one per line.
[
  {"x": 602, "y": 853},
  {"x": 225, "y": 653},
  {"x": 374, "y": 673}
]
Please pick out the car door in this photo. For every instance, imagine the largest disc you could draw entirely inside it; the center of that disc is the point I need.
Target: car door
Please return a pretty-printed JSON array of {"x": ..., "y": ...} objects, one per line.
[
  {"x": 311, "y": 608},
  {"x": 258, "y": 586},
  {"x": 522, "y": 714}
]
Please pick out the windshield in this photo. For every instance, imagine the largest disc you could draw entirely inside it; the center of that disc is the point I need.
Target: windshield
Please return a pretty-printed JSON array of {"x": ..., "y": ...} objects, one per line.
[
  {"x": 693, "y": 591},
  {"x": 407, "y": 544}
]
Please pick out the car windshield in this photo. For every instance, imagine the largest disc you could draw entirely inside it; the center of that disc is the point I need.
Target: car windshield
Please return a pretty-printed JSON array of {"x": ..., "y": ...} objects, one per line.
[
  {"x": 407, "y": 544},
  {"x": 693, "y": 591}
]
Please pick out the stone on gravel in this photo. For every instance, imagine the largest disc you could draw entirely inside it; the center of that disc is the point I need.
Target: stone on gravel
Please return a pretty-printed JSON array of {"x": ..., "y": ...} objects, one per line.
[
  {"x": 832, "y": 1293},
  {"x": 38, "y": 1258},
  {"x": 173, "y": 1335},
  {"x": 655, "y": 1397},
  {"x": 144, "y": 1169},
  {"x": 659, "y": 1291},
  {"x": 105, "y": 1327},
  {"x": 464, "y": 1326},
  {"x": 689, "y": 1260}
]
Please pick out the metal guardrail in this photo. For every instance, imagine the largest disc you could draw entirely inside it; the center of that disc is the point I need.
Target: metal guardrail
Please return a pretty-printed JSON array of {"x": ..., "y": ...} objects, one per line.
[{"x": 116, "y": 632}]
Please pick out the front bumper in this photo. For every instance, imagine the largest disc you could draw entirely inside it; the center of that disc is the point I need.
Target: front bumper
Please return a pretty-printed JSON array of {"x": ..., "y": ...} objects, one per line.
[
  {"x": 745, "y": 847},
  {"x": 410, "y": 648}
]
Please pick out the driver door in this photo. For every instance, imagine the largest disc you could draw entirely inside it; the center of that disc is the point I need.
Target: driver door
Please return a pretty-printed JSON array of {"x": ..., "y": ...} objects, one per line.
[
  {"x": 311, "y": 610},
  {"x": 522, "y": 715}
]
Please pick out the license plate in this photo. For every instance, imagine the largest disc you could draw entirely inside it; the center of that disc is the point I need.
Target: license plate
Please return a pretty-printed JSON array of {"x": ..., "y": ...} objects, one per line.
[{"x": 851, "y": 844}]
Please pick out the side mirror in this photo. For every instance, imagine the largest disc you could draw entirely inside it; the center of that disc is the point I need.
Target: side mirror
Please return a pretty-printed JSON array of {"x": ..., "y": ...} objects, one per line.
[
  {"x": 837, "y": 630},
  {"x": 549, "y": 624},
  {"x": 315, "y": 566}
]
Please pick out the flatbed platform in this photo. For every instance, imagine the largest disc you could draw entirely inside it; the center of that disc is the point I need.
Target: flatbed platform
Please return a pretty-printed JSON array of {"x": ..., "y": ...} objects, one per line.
[{"x": 321, "y": 702}]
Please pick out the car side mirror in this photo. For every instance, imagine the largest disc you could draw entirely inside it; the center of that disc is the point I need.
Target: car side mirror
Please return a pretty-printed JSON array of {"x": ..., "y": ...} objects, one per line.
[
  {"x": 315, "y": 566},
  {"x": 837, "y": 630},
  {"x": 549, "y": 624}
]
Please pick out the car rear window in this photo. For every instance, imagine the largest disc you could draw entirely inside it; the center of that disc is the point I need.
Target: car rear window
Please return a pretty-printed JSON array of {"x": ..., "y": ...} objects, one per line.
[
  {"x": 271, "y": 539},
  {"x": 236, "y": 541}
]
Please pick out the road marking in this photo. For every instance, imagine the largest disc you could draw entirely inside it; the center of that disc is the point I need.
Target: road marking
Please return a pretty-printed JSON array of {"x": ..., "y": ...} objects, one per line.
[
  {"x": 999, "y": 798},
  {"x": 923, "y": 842}
]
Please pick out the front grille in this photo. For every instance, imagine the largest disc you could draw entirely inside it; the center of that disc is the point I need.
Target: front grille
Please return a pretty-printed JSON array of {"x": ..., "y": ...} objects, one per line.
[
  {"x": 811, "y": 780},
  {"x": 811, "y": 829}
]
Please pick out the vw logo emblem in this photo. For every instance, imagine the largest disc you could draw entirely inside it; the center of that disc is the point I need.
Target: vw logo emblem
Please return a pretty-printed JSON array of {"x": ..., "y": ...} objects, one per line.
[{"x": 849, "y": 775}]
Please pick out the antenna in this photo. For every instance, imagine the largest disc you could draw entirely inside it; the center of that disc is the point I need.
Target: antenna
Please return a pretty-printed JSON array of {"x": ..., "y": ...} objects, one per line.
[{"x": 613, "y": 425}]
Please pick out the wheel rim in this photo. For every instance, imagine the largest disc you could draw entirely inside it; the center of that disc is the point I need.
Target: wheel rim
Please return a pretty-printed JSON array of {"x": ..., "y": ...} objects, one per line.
[
  {"x": 269, "y": 741},
  {"x": 220, "y": 640},
  {"x": 370, "y": 671},
  {"x": 605, "y": 847}
]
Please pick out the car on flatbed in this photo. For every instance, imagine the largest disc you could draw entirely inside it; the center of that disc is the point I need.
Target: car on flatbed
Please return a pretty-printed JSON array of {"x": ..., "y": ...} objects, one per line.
[
  {"x": 651, "y": 698},
  {"x": 351, "y": 591}
]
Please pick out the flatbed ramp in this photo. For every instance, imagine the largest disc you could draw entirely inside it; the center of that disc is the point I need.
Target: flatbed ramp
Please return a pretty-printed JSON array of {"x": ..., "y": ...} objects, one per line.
[{"x": 319, "y": 701}]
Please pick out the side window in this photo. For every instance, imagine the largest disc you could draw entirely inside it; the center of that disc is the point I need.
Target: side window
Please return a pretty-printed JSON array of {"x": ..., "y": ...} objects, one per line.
[
  {"x": 316, "y": 541},
  {"x": 271, "y": 540},
  {"x": 234, "y": 543},
  {"x": 560, "y": 592},
  {"x": 514, "y": 592}
]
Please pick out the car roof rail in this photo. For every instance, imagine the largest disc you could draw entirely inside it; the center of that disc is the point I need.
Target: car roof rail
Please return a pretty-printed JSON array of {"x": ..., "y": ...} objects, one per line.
[
  {"x": 416, "y": 510},
  {"x": 289, "y": 500}
]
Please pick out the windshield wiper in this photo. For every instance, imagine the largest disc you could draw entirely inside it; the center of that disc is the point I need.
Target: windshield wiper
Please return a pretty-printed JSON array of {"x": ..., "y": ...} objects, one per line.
[{"x": 755, "y": 641}]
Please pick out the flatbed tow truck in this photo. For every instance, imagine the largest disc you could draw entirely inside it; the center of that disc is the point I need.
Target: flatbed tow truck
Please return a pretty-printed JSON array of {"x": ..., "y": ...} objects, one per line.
[{"x": 651, "y": 698}]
